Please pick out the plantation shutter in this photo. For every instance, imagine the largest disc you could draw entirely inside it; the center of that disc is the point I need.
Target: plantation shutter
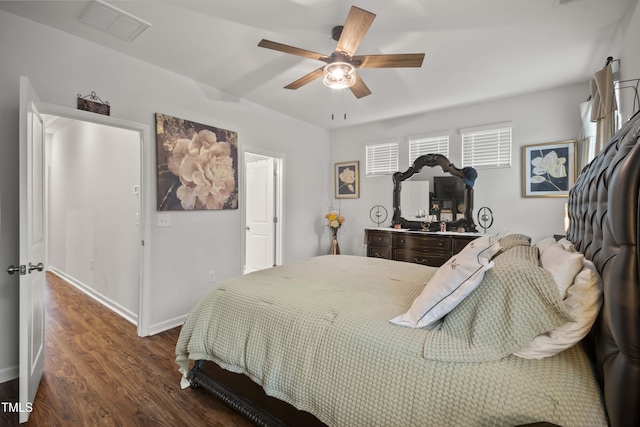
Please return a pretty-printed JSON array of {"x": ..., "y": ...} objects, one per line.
[
  {"x": 382, "y": 159},
  {"x": 487, "y": 147},
  {"x": 419, "y": 146}
]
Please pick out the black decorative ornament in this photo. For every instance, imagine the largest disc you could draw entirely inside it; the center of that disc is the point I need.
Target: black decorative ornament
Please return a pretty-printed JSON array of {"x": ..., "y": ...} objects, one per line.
[
  {"x": 485, "y": 218},
  {"x": 378, "y": 214}
]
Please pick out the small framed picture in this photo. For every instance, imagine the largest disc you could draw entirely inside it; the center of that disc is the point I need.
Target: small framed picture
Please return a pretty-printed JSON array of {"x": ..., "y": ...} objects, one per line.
[
  {"x": 549, "y": 170},
  {"x": 347, "y": 180}
]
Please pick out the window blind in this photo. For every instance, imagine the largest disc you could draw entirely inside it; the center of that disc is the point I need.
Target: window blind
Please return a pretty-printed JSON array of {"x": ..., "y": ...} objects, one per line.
[
  {"x": 487, "y": 148},
  {"x": 382, "y": 159},
  {"x": 419, "y": 146}
]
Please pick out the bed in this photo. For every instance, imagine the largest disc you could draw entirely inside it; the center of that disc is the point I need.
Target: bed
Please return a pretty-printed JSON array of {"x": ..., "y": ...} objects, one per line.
[{"x": 315, "y": 342}]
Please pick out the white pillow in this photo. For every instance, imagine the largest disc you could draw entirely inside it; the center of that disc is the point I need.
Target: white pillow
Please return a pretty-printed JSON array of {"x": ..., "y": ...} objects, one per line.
[
  {"x": 563, "y": 266},
  {"x": 453, "y": 281},
  {"x": 583, "y": 302},
  {"x": 567, "y": 244},
  {"x": 545, "y": 243}
]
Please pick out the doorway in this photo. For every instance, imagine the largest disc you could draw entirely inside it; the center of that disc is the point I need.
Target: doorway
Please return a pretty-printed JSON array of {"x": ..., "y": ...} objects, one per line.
[
  {"x": 93, "y": 208},
  {"x": 130, "y": 302},
  {"x": 263, "y": 203}
]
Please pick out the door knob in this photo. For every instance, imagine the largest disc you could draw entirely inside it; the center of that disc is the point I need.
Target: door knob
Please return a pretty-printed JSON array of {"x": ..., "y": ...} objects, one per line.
[
  {"x": 39, "y": 267},
  {"x": 19, "y": 269},
  {"x": 247, "y": 228}
]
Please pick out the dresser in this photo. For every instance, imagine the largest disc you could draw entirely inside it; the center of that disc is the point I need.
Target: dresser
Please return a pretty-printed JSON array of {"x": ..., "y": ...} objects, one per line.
[{"x": 427, "y": 248}]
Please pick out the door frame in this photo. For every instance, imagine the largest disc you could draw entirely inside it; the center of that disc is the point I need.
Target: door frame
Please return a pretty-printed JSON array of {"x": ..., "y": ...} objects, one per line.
[
  {"x": 278, "y": 166},
  {"x": 146, "y": 169}
]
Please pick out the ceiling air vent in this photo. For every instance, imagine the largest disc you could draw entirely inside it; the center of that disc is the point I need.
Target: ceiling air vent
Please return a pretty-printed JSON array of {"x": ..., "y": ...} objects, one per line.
[{"x": 112, "y": 20}]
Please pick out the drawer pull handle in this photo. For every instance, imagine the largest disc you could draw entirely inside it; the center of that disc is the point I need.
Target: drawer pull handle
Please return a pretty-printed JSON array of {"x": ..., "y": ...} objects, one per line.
[
  {"x": 379, "y": 238},
  {"x": 420, "y": 261}
]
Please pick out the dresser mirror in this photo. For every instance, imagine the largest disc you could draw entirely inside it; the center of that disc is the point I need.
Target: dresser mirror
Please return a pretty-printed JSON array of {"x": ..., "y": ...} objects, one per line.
[{"x": 463, "y": 222}]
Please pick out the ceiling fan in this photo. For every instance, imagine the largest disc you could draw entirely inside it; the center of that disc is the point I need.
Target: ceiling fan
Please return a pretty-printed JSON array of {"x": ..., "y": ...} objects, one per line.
[{"x": 340, "y": 69}]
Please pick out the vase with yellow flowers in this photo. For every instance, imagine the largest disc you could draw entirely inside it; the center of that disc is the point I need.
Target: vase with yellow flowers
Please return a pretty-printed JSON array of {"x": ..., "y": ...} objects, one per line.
[{"x": 334, "y": 222}]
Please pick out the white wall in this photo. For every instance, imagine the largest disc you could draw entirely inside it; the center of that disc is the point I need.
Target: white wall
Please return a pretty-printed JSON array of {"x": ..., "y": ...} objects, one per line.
[
  {"x": 60, "y": 66},
  {"x": 540, "y": 117},
  {"x": 94, "y": 236}
]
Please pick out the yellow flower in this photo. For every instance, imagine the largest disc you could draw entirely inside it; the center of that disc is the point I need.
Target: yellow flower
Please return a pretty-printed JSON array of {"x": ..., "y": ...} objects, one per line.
[{"x": 334, "y": 219}]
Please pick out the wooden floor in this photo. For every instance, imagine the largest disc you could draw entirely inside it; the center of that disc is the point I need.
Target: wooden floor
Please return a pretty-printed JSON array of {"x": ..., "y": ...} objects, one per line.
[{"x": 98, "y": 372}]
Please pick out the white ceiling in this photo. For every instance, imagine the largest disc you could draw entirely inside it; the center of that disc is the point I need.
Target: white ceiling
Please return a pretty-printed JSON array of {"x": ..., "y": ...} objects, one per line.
[{"x": 475, "y": 49}]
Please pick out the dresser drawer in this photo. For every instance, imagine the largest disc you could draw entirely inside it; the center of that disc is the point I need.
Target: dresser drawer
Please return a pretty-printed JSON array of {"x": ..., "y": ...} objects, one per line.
[
  {"x": 431, "y": 259},
  {"x": 420, "y": 243},
  {"x": 379, "y": 251},
  {"x": 379, "y": 238},
  {"x": 460, "y": 242}
]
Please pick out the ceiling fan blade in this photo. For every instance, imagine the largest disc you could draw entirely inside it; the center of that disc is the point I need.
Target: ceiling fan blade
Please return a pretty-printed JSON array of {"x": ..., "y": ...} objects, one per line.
[
  {"x": 292, "y": 50},
  {"x": 305, "y": 79},
  {"x": 359, "y": 89},
  {"x": 355, "y": 27},
  {"x": 389, "y": 61}
]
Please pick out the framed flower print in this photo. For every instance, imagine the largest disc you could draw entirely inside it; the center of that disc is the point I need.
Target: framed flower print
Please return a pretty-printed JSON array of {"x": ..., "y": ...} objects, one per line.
[
  {"x": 197, "y": 165},
  {"x": 549, "y": 170},
  {"x": 347, "y": 180}
]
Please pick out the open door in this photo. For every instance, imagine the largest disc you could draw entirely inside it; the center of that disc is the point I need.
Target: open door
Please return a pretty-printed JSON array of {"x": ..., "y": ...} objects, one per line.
[
  {"x": 260, "y": 215},
  {"x": 32, "y": 248}
]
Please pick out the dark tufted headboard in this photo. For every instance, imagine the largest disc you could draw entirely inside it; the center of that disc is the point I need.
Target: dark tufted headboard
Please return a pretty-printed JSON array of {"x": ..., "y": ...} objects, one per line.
[{"x": 604, "y": 225}]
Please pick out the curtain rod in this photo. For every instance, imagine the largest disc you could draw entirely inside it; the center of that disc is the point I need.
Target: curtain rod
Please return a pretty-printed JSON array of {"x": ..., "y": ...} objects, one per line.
[{"x": 610, "y": 60}]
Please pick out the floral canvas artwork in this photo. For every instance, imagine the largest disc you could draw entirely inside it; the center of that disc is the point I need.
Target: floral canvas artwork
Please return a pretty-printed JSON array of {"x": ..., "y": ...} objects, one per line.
[
  {"x": 347, "y": 180},
  {"x": 196, "y": 165},
  {"x": 549, "y": 169}
]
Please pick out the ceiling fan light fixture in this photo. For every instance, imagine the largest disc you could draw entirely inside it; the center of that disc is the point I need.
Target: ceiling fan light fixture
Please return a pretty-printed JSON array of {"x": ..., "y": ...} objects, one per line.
[{"x": 339, "y": 75}]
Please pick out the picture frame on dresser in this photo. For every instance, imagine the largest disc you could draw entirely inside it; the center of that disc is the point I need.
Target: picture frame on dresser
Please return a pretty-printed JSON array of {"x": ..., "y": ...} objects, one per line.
[
  {"x": 549, "y": 169},
  {"x": 347, "y": 180}
]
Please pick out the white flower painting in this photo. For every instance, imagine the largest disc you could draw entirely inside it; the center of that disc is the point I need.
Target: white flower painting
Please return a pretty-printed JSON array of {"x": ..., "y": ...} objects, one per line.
[
  {"x": 197, "y": 165},
  {"x": 549, "y": 169},
  {"x": 347, "y": 180}
]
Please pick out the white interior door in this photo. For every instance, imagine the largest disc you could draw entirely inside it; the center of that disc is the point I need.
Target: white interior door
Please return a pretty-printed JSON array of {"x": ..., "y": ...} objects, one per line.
[
  {"x": 32, "y": 248},
  {"x": 260, "y": 215}
]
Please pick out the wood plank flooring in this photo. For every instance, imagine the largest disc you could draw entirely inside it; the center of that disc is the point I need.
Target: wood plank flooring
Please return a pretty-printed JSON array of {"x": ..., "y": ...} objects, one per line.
[{"x": 98, "y": 372}]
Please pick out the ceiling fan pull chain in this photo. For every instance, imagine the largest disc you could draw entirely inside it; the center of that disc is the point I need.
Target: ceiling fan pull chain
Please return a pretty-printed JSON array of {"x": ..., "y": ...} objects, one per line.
[
  {"x": 333, "y": 104},
  {"x": 344, "y": 103}
]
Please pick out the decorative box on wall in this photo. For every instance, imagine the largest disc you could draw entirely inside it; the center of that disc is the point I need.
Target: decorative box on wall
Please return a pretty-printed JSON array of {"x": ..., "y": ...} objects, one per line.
[{"x": 426, "y": 248}]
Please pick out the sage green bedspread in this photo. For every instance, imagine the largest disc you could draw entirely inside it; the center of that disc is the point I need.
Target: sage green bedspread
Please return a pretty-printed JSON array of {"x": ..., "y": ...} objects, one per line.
[{"x": 316, "y": 334}]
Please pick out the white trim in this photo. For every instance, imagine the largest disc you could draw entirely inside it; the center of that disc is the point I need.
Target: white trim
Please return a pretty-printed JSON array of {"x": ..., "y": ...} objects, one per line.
[
  {"x": 107, "y": 302},
  {"x": 429, "y": 135},
  {"x": 8, "y": 374},
  {"x": 486, "y": 127},
  {"x": 167, "y": 324}
]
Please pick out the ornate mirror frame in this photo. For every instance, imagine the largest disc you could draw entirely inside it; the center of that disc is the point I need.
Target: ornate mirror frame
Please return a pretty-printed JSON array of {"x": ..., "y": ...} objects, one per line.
[{"x": 467, "y": 174}]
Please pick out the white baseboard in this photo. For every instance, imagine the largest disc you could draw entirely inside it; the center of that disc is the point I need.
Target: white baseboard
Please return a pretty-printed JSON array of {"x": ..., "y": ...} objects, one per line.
[
  {"x": 110, "y": 304},
  {"x": 8, "y": 374},
  {"x": 167, "y": 324}
]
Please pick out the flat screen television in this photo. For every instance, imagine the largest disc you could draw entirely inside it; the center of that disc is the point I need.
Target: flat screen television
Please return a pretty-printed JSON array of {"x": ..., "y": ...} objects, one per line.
[{"x": 448, "y": 187}]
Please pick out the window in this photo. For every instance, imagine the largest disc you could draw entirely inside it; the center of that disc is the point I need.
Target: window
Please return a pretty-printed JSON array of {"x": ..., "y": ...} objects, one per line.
[
  {"x": 421, "y": 145},
  {"x": 382, "y": 159},
  {"x": 487, "y": 146}
]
